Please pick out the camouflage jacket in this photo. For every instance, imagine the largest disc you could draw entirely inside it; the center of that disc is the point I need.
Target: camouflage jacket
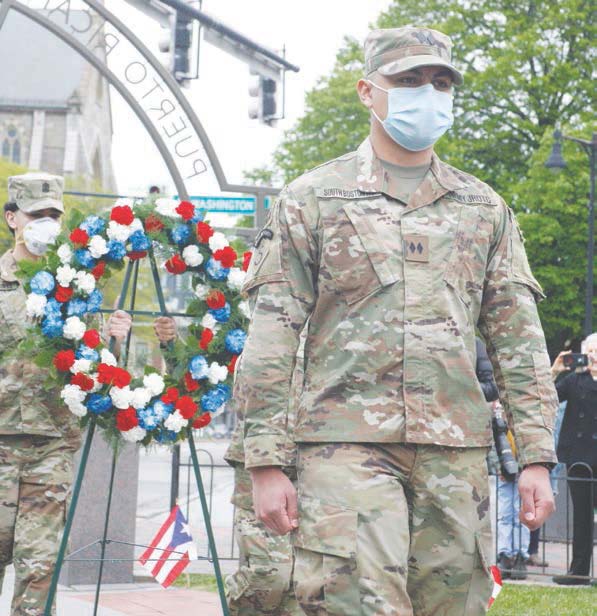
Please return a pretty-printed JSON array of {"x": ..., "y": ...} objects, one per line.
[
  {"x": 393, "y": 294},
  {"x": 26, "y": 407}
]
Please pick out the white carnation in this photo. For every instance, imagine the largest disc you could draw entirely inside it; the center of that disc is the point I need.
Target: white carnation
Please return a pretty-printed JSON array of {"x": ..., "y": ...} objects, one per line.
[
  {"x": 85, "y": 282},
  {"x": 65, "y": 254},
  {"x": 121, "y": 397},
  {"x": 245, "y": 309},
  {"x": 97, "y": 246},
  {"x": 154, "y": 383},
  {"x": 175, "y": 422},
  {"x": 107, "y": 357},
  {"x": 81, "y": 365},
  {"x": 134, "y": 435},
  {"x": 217, "y": 373},
  {"x": 78, "y": 409},
  {"x": 217, "y": 241},
  {"x": 201, "y": 291},
  {"x": 236, "y": 277},
  {"x": 96, "y": 384},
  {"x": 167, "y": 207},
  {"x": 136, "y": 225},
  {"x": 118, "y": 232},
  {"x": 192, "y": 257},
  {"x": 74, "y": 328},
  {"x": 65, "y": 274},
  {"x": 35, "y": 305},
  {"x": 208, "y": 321},
  {"x": 140, "y": 397},
  {"x": 71, "y": 394}
]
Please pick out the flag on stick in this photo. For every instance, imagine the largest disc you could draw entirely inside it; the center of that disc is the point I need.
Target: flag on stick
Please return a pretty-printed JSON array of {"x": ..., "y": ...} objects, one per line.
[
  {"x": 171, "y": 550},
  {"x": 497, "y": 584}
]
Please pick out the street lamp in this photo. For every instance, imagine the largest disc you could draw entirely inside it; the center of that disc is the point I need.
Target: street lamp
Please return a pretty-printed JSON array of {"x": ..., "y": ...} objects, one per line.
[{"x": 556, "y": 161}]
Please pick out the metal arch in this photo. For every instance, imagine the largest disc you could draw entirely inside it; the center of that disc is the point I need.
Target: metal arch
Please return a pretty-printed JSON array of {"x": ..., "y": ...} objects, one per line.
[
  {"x": 182, "y": 101},
  {"x": 113, "y": 80}
]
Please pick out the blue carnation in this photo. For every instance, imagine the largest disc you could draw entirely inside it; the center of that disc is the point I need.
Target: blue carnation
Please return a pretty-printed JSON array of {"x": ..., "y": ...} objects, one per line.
[
  {"x": 93, "y": 225},
  {"x": 53, "y": 309},
  {"x": 221, "y": 315},
  {"x": 215, "y": 397},
  {"x": 52, "y": 327},
  {"x": 180, "y": 234},
  {"x": 198, "y": 367},
  {"x": 84, "y": 258},
  {"x": 162, "y": 410},
  {"x": 76, "y": 307},
  {"x": 139, "y": 241},
  {"x": 94, "y": 301},
  {"x": 199, "y": 216},
  {"x": 215, "y": 270},
  {"x": 148, "y": 420},
  {"x": 235, "y": 341},
  {"x": 42, "y": 283},
  {"x": 99, "y": 404},
  {"x": 116, "y": 250},
  {"x": 84, "y": 352},
  {"x": 165, "y": 436}
]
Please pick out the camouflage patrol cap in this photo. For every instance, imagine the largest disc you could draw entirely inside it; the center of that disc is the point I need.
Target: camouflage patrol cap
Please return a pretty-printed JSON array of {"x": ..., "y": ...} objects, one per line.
[
  {"x": 33, "y": 192},
  {"x": 393, "y": 50}
]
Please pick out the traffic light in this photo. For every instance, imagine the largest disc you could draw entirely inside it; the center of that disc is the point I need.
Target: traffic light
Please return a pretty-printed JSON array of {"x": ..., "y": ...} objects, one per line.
[
  {"x": 263, "y": 105},
  {"x": 177, "y": 42}
]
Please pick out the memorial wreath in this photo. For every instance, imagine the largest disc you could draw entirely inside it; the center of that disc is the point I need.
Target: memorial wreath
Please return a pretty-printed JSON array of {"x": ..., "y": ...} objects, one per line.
[{"x": 64, "y": 289}]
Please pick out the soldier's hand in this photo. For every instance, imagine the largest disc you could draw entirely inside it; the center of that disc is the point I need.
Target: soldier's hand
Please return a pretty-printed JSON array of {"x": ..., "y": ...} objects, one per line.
[
  {"x": 558, "y": 364},
  {"x": 119, "y": 325},
  {"x": 536, "y": 497},
  {"x": 274, "y": 499},
  {"x": 165, "y": 329}
]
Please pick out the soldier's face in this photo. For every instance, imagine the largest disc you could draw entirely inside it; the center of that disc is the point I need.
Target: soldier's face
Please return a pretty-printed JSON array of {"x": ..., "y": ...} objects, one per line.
[{"x": 18, "y": 220}]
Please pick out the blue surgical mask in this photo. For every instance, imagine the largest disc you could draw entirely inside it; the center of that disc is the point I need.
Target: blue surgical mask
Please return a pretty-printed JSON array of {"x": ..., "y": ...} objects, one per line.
[{"x": 417, "y": 117}]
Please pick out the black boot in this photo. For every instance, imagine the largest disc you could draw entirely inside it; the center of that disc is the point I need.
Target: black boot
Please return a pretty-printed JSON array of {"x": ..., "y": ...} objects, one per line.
[
  {"x": 519, "y": 569},
  {"x": 505, "y": 565},
  {"x": 571, "y": 579}
]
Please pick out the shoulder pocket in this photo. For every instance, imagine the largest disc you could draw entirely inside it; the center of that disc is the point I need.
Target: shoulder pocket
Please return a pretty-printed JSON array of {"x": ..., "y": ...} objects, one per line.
[{"x": 521, "y": 270}]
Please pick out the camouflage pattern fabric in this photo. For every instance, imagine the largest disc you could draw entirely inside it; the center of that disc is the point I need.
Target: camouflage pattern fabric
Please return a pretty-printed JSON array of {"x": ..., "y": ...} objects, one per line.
[
  {"x": 263, "y": 582},
  {"x": 27, "y": 407},
  {"x": 392, "y": 529},
  {"x": 392, "y": 294},
  {"x": 35, "y": 478}
]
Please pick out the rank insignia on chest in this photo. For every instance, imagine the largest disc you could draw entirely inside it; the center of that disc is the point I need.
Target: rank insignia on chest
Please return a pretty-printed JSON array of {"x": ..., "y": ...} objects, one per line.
[
  {"x": 264, "y": 234},
  {"x": 416, "y": 248}
]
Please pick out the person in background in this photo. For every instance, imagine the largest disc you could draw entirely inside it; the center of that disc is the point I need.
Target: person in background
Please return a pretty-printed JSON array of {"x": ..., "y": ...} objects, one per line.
[{"x": 577, "y": 448}]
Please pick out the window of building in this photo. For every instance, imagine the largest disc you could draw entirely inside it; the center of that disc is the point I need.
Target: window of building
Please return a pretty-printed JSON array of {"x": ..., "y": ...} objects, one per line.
[{"x": 11, "y": 145}]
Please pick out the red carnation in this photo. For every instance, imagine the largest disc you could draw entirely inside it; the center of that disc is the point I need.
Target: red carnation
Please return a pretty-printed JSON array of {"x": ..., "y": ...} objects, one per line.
[
  {"x": 186, "y": 407},
  {"x": 246, "y": 260},
  {"x": 190, "y": 383},
  {"x": 91, "y": 338},
  {"x": 80, "y": 237},
  {"x": 232, "y": 364},
  {"x": 207, "y": 336},
  {"x": 186, "y": 209},
  {"x": 98, "y": 270},
  {"x": 122, "y": 378},
  {"x": 127, "y": 419},
  {"x": 202, "y": 421},
  {"x": 204, "y": 232},
  {"x": 122, "y": 214},
  {"x": 175, "y": 265},
  {"x": 63, "y": 294},
  {"x": 63, "y": 360},
  {"x": 86, "y": 383},
  {"x": 105, "y": 374},
  {"x": 226, "y": 256},
  {"x": 171, "y": 395},
  {"x": 215, "y": 299},
  {"x": 112, "y": 375},
  {"x": 153, "y": 224},
  {"x": 134, "y": 255}
]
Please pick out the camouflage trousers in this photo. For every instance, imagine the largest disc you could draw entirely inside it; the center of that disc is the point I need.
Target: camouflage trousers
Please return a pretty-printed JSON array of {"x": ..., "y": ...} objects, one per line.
[
  {"x": 35, "y": 478},
  {"x": 263, "y": 582},
  {"x": 392, "y": 530}
]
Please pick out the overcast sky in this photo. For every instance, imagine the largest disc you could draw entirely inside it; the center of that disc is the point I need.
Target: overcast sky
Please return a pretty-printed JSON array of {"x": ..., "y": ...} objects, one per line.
[{"x": 312, "y": 31}]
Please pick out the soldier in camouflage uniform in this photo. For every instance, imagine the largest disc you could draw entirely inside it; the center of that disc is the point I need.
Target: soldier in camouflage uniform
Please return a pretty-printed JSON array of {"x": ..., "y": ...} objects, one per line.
[
  {"x": 38, "y": 436},
  {"x": 390, "y": 259}
]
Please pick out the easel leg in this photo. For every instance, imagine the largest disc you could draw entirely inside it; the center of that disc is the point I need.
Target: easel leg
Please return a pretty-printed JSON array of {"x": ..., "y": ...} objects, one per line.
[{"x": 207, "y": 520}]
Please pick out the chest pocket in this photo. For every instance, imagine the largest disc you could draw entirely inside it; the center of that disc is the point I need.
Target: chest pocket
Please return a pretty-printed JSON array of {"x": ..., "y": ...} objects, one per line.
[
  {"x": 13, "y": 324},
  {"x": 362, "y": 251}
]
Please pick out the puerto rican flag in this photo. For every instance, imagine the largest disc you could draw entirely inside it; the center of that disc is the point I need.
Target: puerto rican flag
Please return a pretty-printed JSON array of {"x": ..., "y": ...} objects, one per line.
[
  {"x": 171, "y": 550},
  {"x": 497, "y": 584}
]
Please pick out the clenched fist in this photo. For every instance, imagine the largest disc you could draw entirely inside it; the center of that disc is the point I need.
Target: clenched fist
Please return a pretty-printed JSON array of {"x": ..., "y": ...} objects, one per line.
[
  {"x": 119, "y": 325},
  {"x": 165, "y": 329}
]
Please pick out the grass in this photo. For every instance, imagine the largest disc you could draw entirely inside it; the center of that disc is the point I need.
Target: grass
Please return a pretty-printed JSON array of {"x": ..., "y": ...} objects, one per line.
[{"x": 514, "y": 600}]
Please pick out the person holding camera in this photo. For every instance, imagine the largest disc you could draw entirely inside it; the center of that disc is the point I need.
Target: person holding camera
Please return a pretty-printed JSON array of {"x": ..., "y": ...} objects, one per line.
[{"x": 577, "y": 448}]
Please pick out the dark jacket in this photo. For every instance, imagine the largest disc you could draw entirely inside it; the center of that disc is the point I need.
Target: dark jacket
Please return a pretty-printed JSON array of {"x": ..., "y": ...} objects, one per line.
[
  {"x": 484, "y": 372},
  {"x": 578, "y": 437}
]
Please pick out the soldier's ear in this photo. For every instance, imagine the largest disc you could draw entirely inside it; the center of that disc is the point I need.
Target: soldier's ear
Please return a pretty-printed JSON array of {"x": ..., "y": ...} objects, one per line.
[
  {"x": 364, "y": 88},
  {"x": 11, "y": 219}
]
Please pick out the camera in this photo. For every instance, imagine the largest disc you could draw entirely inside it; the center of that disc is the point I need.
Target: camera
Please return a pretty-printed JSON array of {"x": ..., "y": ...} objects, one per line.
[
  {"x": 573, "y": 361},
  {"x": 508, "y": 464}
]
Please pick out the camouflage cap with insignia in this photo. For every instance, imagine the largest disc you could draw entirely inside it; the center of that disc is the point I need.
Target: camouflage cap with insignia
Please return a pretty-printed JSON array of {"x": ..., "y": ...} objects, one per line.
[
  {"x": 33, "y": 192},
  {"x": 393, "y": 50}
]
